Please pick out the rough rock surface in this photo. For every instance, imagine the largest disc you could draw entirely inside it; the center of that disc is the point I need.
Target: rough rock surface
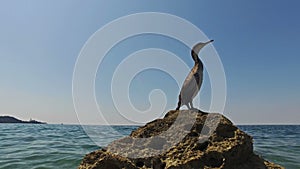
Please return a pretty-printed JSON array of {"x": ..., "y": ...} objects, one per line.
[{"x": 183, "y": 139}]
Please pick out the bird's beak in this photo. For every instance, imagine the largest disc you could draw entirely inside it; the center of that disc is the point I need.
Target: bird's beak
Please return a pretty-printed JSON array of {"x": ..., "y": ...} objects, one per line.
[{"x": 209, "y": 41}]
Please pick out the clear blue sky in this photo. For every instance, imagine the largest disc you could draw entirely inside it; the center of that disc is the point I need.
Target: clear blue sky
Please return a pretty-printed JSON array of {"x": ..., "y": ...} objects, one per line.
[{"x": 257, "y": 40}]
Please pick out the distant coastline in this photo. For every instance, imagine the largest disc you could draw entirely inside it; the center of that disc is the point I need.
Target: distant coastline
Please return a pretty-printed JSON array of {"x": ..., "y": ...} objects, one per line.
[{"x": 9, "y": 119}]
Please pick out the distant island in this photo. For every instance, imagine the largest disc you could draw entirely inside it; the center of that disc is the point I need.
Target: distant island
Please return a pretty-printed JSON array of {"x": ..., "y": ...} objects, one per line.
[{"x": 9, "y": 119}]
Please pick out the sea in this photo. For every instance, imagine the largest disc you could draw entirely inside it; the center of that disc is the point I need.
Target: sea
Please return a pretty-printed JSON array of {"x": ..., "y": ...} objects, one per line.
[{"x": 47, "y": 146}]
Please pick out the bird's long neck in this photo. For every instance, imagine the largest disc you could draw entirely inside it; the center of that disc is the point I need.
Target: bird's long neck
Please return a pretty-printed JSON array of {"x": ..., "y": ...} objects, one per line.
[{"x": 198, "y": 62}]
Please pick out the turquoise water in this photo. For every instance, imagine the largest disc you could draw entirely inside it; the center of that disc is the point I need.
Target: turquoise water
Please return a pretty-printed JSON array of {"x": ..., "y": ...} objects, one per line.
[
  {"x": 33, "y": 146},
  {"x": 277, "y": 143}
]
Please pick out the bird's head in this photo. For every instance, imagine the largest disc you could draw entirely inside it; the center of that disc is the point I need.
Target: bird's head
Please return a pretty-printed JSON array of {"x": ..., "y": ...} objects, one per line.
[
  {"x": 196, "y": 49},
  {"x": 200, "y": 45}
]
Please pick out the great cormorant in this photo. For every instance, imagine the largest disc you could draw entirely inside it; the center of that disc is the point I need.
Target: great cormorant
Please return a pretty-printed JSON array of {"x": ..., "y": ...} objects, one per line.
[{"x": 193, "y": 81}]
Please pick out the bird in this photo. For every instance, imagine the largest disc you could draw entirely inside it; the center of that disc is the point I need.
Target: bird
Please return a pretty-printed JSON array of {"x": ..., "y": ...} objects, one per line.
[{"x": 193, "y": 81}]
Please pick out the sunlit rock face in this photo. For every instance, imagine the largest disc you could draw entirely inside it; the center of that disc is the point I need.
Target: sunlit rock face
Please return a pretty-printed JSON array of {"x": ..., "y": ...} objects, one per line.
[{"x": 185, "y": 139}]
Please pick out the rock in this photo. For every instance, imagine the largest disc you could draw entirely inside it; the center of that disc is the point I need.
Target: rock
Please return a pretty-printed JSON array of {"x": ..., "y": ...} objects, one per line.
[{"x": 183, "y": 139}]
